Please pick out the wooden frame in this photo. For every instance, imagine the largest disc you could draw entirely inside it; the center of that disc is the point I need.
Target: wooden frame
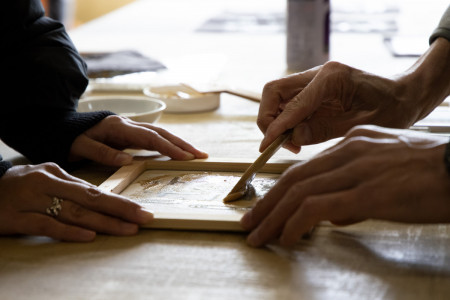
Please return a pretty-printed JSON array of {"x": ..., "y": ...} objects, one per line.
[{"x": 201, "y": 219}]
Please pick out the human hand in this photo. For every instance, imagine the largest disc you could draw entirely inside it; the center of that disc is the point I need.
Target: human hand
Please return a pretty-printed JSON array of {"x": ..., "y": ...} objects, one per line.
[
  {"x": 27, "y": 191},
  {"x": 326, "y": 101},
  {"x": 103, "y": 142},
  {"x": 374, "y": 172}
]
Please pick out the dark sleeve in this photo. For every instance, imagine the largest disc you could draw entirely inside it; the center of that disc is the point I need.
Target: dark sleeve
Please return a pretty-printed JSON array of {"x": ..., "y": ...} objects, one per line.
[
  {"x": 4, "y": 166},
  {"x": 45, "y": 77},
  {"x": 443, "y": 29}
]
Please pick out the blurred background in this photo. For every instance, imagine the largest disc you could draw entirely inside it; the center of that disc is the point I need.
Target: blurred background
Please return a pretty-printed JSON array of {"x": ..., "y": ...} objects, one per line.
[
  {"x": 220, "y": 40},
  {"x": 404, "y": 19},
  {"x": 348, "y": 15},
  {"x": 76, "y": 12}
]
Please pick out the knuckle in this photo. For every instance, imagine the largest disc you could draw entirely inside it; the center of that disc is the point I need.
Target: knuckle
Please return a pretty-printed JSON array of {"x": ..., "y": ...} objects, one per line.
[
  {"x": 338, "y": 75},
  {"x": 296, "y": 190},
  {"x": 355, "y": 144},
  {"x": 294, "y": 196},
  {"x": 76, "y": 211},
  {"x": 93, "y": 196},
  {"x": 116, "y": 119},
  {"x": 38, "y": 177},
  {"x": 103, "y": 152},
  {"x": 295, "y": 170},
  {"x": 159, "y": 131},
  {"x": 270, "y": 87},
  {"x": 43, "y": 227},
  {"x": 309, "y": 206},
  {"x": 360, "y": 130},
  {"x": 355, "y": 131},
  {"x": 51, "y": 167},
  {"x": 262, "y": 123},
  {"x": 335, "y": 66}
]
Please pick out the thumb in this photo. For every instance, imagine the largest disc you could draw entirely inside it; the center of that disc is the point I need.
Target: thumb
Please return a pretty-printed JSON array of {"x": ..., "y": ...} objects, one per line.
[
  {"x": 87, "y": 148},
  {"x": 302, "y": 106}
]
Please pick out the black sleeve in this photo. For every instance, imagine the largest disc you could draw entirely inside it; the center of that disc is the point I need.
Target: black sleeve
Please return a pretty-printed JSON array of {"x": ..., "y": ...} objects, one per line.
[
  {"x": 45, "y": 77},
  {"x": 443, "y": 29},
  {"x": 4, "y": 166}
]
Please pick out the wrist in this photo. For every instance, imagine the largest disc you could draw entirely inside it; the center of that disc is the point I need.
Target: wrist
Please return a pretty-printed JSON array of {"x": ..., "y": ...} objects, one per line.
[{"x": 426, "y": 84}]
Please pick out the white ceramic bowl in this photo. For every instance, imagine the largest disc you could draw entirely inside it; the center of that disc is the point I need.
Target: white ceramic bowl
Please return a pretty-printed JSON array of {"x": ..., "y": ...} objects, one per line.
[
  {"x": 183, "y": 99},
  {"x": 140, "y": 109}
]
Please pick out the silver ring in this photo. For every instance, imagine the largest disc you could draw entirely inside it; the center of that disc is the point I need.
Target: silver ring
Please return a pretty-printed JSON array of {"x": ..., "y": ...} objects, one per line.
[{"x": 55, "y": 208}]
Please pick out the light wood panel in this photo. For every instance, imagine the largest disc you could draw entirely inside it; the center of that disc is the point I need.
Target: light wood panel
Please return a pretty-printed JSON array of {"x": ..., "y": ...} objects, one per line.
[{"x": 189, "y": 195}]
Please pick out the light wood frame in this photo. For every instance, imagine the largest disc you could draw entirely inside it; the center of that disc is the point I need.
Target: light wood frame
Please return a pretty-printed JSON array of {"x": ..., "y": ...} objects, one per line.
[{"x": 120, "y": 180}]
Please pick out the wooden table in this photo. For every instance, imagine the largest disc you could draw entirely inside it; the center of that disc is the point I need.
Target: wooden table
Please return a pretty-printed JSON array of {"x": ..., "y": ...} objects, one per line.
[{"x": 371, "y": 260}]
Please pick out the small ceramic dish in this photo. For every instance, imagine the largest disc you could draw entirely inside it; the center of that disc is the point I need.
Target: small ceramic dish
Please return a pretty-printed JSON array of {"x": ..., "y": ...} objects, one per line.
[
  {"x": 140, "y": 109},
  {"x": 183, "y": 99}
]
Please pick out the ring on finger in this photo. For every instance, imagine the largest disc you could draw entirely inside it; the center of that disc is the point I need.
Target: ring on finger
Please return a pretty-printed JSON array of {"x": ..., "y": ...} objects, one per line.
[{"x": 55, "y": 208}]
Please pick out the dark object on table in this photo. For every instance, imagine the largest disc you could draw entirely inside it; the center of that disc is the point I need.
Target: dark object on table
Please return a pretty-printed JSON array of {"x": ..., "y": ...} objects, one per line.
[{"x": 118, "y": 63}]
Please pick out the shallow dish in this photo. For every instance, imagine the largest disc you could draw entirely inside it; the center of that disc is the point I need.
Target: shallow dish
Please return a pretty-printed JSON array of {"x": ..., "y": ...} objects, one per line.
[
  {"x": 140, "y": 109},
  {"x": 183, "y": 99}
]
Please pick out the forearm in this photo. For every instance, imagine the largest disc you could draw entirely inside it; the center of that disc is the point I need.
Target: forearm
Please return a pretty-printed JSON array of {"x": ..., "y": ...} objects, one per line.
[
  {"x": 47, "y": 135},
  {"x": 40, "y": 119},
  {"x": 427, "y": 82}
]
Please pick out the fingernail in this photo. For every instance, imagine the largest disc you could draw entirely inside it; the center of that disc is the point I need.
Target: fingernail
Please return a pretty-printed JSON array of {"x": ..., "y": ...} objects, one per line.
[
  {"x": 262, "y": 146},
  {"x": 188, "y": 155},
  {"x": 144, "y": 216},
  {"x": 203, "y": 154},
  {"x": 246, "y": 220}
]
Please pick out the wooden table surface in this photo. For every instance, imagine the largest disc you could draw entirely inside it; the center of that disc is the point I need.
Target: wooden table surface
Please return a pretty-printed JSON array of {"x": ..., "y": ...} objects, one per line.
[{"x": 370, "y": 260}]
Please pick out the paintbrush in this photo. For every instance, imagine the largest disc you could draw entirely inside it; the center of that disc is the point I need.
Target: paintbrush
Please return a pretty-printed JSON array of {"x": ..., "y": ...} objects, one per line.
[{"x": 241, "y": 187}]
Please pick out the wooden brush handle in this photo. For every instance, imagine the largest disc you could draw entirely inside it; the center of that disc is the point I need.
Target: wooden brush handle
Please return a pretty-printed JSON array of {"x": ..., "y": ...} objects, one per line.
[
  {"x": 249, "y": 174},
  {"x": 256, "y": 97},
  {"x": 270, "y": 151}
]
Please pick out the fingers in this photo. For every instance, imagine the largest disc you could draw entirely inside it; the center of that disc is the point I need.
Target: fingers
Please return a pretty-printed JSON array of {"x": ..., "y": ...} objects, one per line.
[
  {"x": 103, "y": 142},
  {"x": 268, "y": 220},
  {"x": 279, "y": 92},
  {"x": 329, "y": 92},
  {"x": 333, "y": 207},
  {"x": 295, "y": 174},
  {"x": 91, "y": 149},
  {"x": 318, "y": 129},
  {"x": 178, "y": 142},
  {"x": 299, "y": 108},
  {"x": 77, "y": 215},
  {"x": 38, "y": 224},
  {"x": 333, "y": 171},
  {"x": 83, "y": 211},
  {"x": 95, "y": 200}
]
